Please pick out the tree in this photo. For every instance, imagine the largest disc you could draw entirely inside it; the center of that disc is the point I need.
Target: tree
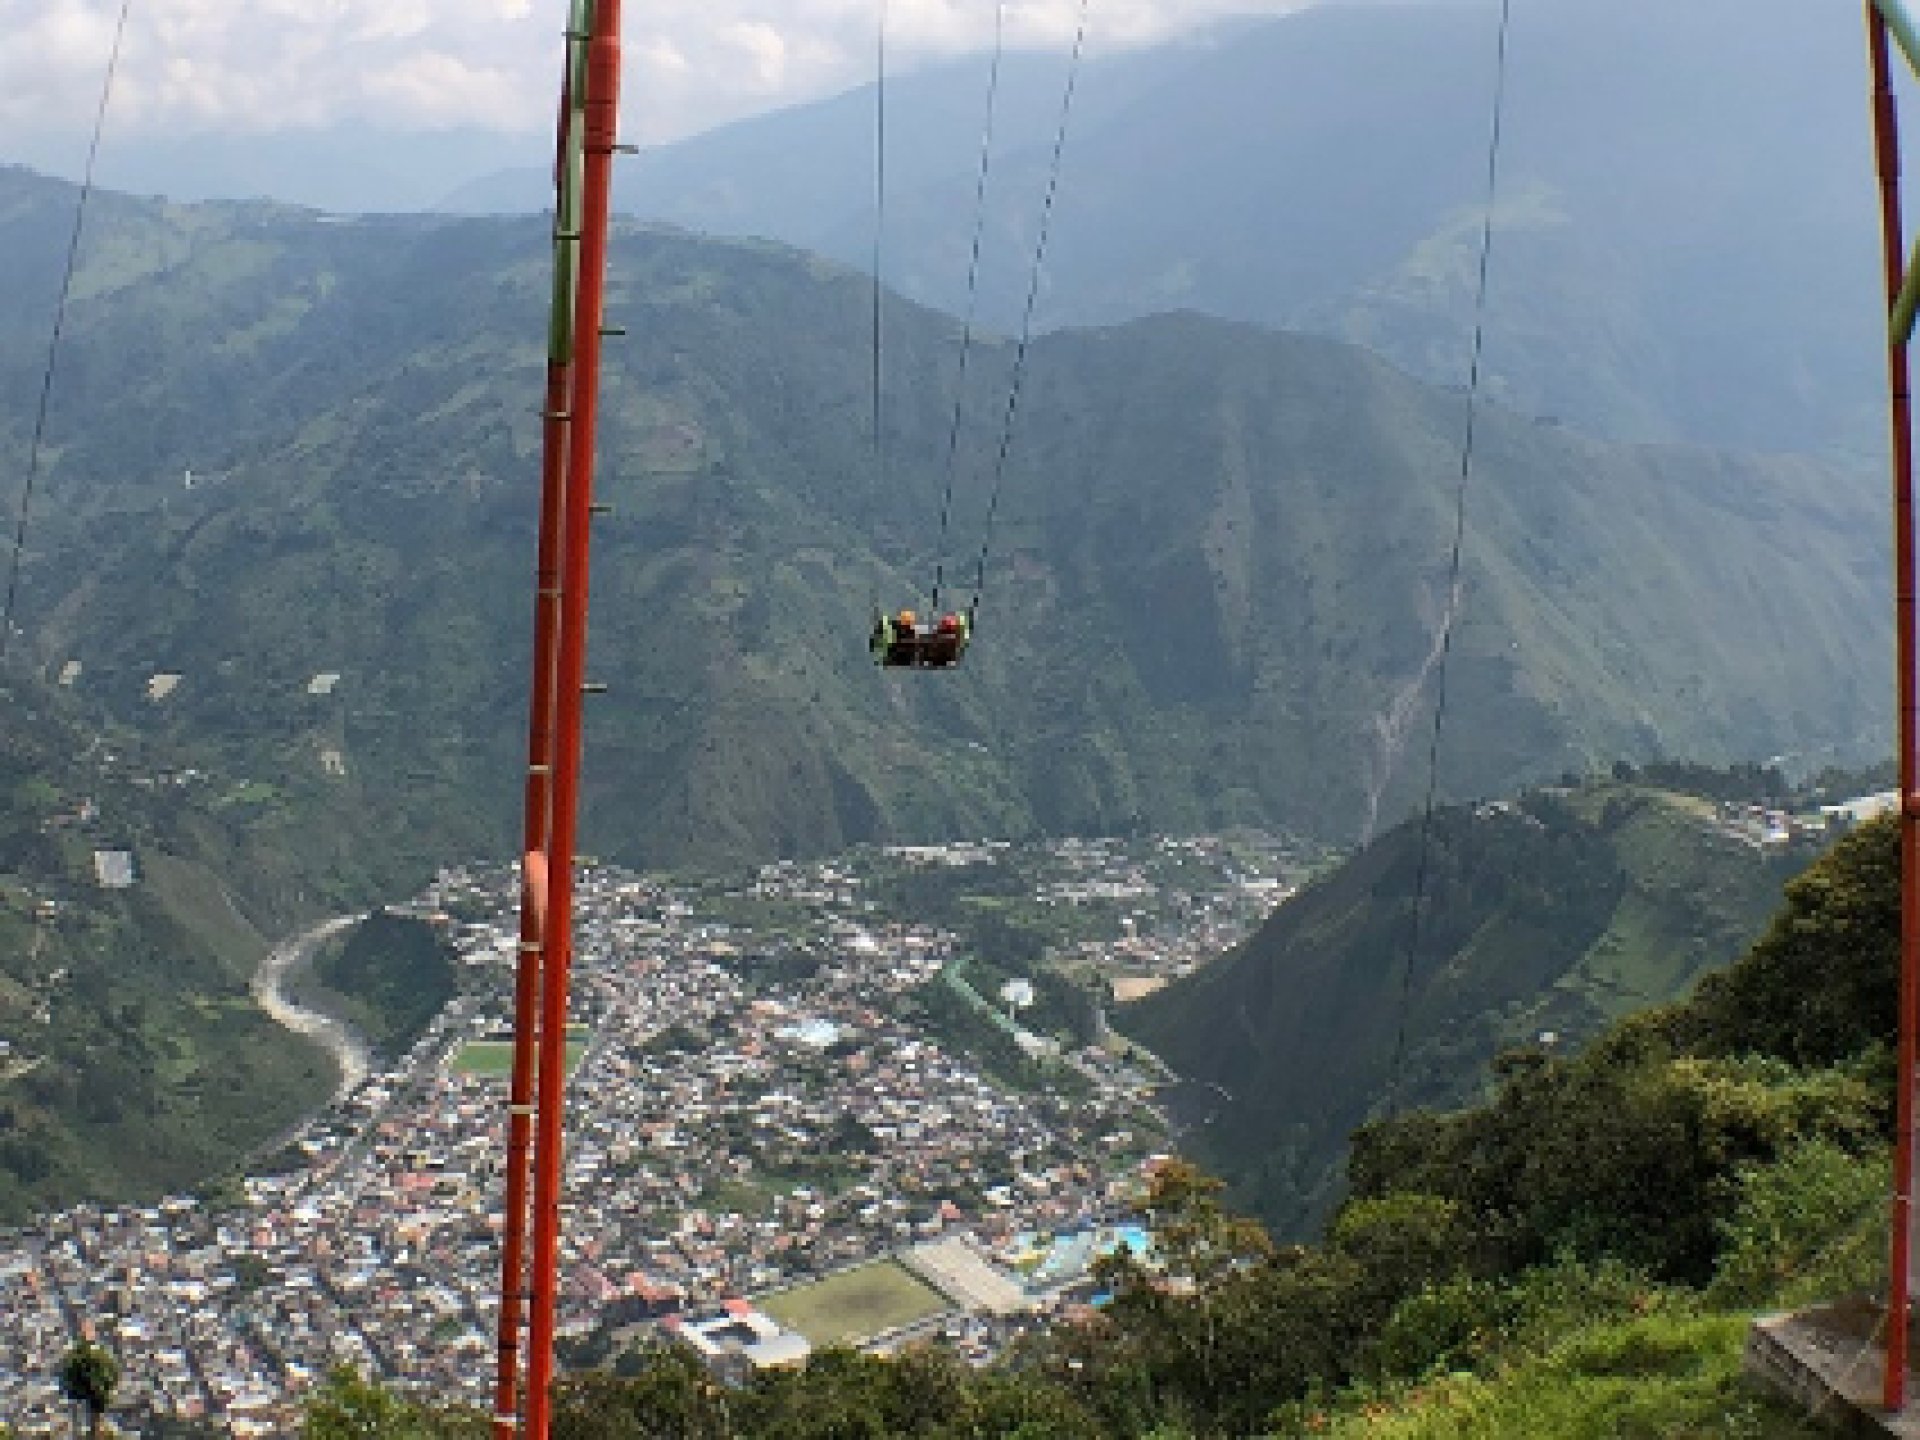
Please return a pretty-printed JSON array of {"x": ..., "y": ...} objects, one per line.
[
  {"x": 1823, "y": 983},
  {"x": 347, "y": 1408},
  {"x": 88, "y": 1377},
  {"x": 669, "y": 1397}
]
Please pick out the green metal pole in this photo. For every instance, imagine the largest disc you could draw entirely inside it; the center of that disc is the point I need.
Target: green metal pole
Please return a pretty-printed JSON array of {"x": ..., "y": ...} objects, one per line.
[
  {"x": 1906, "y": 305},
  {"x": 1905, "y": 32}
]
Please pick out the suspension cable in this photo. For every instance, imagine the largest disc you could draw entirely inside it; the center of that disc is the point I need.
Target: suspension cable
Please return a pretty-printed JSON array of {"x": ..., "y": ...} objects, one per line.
[
  {"x": 879, "y": 235},
  {"x": 973, "y": 290},
  {"x": 21, "y": 521},
  {"x": 1397, "y": 1066},
  {"x": 1026, "y": 319}
]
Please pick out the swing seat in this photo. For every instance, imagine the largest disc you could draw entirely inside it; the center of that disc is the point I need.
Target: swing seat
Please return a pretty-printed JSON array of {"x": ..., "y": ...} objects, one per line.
[{"x": 918, "y": 647}]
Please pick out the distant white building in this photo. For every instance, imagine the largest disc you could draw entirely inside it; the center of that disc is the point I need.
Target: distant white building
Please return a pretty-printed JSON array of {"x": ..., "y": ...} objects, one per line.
[
  {"x": 741, "y": 1339},
  {"x": 1862, "y": 808},
  {"x": 815, "y": 1034},
  {"x": 113, "y": 868}
]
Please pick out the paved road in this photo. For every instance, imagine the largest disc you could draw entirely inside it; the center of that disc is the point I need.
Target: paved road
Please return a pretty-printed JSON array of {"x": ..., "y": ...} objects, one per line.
[{"x": 349, "y": 1051}]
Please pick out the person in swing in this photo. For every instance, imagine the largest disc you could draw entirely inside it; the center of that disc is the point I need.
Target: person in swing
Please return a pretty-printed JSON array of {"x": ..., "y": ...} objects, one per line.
[
  {"x": 947, "y": 643},
  {"x": 901, "y": 641},
  {"x": 896, "y": 639}
]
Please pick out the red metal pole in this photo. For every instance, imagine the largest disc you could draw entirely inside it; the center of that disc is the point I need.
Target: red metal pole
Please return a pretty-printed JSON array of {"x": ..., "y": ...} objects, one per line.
[
  {"x": 526, "y": 983},
  {"x": 601, "y": 127},
  {"x": 556, "y": 441},
  {"x": 1887, "y": 158}
]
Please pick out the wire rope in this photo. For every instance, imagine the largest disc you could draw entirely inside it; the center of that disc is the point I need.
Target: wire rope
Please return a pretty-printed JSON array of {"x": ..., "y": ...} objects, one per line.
[
  {"x": 879, "y": 236},
  {"x": 24, "y": 515},
  {"x": 1026, "y": 319},
  {"x": 1423, "y": 870},
  {"x": 973, "y": 291}
]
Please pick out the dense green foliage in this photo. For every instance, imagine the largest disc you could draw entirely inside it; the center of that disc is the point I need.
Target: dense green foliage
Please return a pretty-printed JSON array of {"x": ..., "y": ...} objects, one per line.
[
  {"x": 840, "y": 1396},
  {"x": 346, "y": 1407},
  {"x": 1822, "y": 984},
  {"x": 1212, "y": 599},
  {"x": 88, "y": 1377},
  {"x": 1550, "y": 915},
  {"x": 387, "y": 978}
]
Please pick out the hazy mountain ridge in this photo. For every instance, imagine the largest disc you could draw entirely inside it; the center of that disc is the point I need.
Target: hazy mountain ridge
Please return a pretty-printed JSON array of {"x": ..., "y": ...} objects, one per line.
[
  {"x": 1213, "y": 595},
  {"x": 1685, "y": 246}
]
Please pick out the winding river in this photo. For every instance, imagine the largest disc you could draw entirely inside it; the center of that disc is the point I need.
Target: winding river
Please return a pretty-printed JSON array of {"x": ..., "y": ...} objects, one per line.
[{"x": 349, "y": 1051}]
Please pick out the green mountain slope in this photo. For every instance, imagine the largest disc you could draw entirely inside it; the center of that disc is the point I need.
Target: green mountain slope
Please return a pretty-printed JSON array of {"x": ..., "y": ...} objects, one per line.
[
  {"x": 1550, "y": 915},
  {"x": 134, "y": 1058},
  {"x": 287, "y": 450}
]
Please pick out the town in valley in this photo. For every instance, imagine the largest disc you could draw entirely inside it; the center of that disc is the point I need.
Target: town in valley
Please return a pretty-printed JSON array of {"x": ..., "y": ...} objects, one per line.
[{"x": 868, "y": 1101}]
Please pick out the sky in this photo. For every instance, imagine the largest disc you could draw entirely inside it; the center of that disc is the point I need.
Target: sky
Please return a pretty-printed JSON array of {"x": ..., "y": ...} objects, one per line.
[{"x": 197, "y": 66}]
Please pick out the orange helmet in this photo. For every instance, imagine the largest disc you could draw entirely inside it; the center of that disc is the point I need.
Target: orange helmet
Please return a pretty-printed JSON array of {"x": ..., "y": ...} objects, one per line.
[{"x": 907, "y": 617}]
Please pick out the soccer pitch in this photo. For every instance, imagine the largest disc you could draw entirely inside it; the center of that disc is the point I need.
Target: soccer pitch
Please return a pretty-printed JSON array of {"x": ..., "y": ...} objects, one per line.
[
  {"x": 855, "y": 1305},
  {"x": 495, "y": 1057}
]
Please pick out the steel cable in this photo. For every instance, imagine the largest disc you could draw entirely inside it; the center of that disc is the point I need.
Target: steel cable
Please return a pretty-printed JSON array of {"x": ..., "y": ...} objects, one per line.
[
  {"x": 1395, "y": 1073},
  {"x": 1026, "y": 319},
  {"x": 973, "y": 291},
  {"x": 25, "y": 513}
]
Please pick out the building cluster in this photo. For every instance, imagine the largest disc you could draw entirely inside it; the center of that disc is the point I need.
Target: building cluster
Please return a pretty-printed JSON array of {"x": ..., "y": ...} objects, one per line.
[
  {"x": 1180, "y": 901},
  {"x": 1770, "y": 825},
  {"x": 752, "y": 1105}
]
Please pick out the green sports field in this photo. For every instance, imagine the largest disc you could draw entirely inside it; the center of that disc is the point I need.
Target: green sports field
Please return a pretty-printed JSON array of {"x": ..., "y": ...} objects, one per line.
[
  {"x": 855, "y": 1305},
  {"x": 495, "y": 1057}
]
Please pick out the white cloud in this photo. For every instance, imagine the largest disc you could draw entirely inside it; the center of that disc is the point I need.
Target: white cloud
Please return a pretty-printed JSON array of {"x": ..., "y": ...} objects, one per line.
[
  {"x": 396, "y": 20},
  {"x": 434, "y": 88},
  {"x": 764, "y": 50},
  {"x": 194, "y": 64}
]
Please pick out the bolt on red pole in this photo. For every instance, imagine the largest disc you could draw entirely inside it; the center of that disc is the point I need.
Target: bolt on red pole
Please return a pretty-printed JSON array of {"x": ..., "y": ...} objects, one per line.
[
  {"x": 600, "y": 132},
  {"x": 1887, "y": 162}
]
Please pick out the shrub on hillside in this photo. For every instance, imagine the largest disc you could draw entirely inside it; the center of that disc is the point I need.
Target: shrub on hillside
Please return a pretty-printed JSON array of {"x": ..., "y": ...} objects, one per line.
[{"x": 1822, "y": 984}]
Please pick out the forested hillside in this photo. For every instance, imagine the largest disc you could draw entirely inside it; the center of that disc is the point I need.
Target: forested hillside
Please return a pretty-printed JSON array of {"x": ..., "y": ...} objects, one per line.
[
  {"x": 293, "y": 465},
  {"x": 1549, "y": 915},
  {"x": 132, "y": 1058},
  {"x": 389, "y": 978}
]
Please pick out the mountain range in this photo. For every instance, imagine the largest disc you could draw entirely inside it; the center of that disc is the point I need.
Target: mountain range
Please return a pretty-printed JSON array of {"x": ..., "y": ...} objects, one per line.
[
  {"x": 1684, "y": 243},
  {"x": 292, "y": 463}
]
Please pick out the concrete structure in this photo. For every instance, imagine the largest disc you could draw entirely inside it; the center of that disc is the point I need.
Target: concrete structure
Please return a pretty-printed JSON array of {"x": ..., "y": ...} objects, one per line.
[
  {"x": 1828, "y": 1360},
  {"x": 741, "y": 1339}
]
